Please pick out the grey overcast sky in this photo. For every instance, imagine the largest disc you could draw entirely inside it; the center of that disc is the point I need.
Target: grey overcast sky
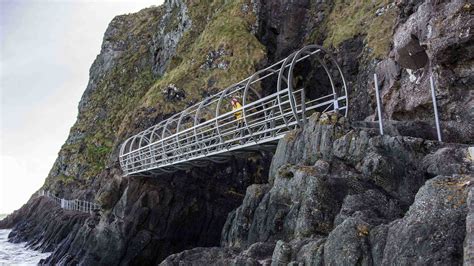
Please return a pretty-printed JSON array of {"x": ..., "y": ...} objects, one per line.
[{"x": 47, "y": 48}]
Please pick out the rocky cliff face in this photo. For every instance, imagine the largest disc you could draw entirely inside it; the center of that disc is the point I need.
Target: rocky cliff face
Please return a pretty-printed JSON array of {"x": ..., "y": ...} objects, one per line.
[
  {"x": 335, "y": 192},
  {"x": 347, "y": 196}
]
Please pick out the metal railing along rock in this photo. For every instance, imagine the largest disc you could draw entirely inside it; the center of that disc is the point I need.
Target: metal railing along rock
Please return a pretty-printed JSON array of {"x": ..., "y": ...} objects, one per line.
[
  {"x": 74, "y": 205},
  {"x": 211, "y": 131}
]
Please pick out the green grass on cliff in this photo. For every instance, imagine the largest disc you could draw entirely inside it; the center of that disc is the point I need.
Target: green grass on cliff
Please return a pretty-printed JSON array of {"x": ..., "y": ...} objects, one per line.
[
  {"x": 130, "y": 92},
  {"x": 350, "y": 18},
  {"x": 216, "y": 24},
  {"x": 116, "y": 93}
]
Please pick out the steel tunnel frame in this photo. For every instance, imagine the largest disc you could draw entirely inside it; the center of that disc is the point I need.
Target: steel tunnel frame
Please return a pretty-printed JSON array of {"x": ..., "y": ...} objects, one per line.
[{"x": 187, "y": 140}]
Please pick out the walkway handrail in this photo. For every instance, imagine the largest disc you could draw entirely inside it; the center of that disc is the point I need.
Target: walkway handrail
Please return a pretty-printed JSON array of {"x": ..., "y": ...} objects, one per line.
[
  {"x": 74, "y": 205},
  {"x": 210, "y": 130}
]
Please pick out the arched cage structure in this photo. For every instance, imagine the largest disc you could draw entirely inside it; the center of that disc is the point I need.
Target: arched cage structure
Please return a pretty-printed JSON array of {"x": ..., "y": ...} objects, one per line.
[{"x": 306, "y": 81}]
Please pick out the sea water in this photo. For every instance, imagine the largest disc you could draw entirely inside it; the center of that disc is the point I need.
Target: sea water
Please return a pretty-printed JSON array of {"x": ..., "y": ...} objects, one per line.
[{"x": 17, "y": 254}]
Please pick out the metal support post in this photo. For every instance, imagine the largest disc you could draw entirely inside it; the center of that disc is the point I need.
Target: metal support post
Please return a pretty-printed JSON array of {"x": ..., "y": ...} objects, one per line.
[
  {"x": 435, "y": 107},
  {"x": 303, "y": 106},
  {"x": 379, "y": 104}
]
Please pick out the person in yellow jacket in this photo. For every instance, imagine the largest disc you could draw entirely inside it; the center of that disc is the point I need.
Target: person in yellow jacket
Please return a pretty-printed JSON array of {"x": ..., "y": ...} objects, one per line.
[{"x": 236, "y": 106}]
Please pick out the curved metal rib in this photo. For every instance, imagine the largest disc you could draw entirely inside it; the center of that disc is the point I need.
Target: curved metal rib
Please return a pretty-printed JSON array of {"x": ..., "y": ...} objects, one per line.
[{"x": 159, "y": 150}]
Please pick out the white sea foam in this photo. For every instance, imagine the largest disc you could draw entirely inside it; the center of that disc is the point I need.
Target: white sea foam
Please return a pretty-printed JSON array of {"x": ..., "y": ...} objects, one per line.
[{"x": 17, "y": 254}]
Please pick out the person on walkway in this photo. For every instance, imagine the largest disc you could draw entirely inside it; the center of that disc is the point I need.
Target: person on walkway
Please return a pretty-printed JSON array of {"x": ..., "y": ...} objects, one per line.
[
  {"x": 237, "y": 109},
  {"x": 236, "y": 106}
]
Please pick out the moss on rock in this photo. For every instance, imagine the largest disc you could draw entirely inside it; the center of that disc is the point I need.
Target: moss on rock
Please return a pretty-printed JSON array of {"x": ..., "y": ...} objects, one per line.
[{"x": 375, "y": 19}]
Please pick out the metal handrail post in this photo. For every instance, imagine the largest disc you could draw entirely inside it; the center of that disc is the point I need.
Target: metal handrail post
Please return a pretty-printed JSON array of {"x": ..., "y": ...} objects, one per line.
[
  {"x": 435, "y": 106},
  {"x": 303, "y": 106},
  {"x": 379, "y": 104}
]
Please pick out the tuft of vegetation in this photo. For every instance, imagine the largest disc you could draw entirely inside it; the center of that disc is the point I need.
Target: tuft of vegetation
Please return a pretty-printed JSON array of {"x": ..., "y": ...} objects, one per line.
[
  {"x": 65, "y": 179},
  {"x": 349, "y": 19}
]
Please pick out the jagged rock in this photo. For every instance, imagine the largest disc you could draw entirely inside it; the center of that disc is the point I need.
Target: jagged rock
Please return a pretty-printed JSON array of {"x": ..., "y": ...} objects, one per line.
[
  {"x": 43, "y": 224},
  {"x": 172, "y": 26},
  {"x": 315, "y": 143},
  {"x": 372, "y": 206},
  {"x": 312, "y": 252},
  {"x": 377, "y": 241},
  {"x": 433, "y": 230},
  {"x": 388, "y": 72},
  {"x": 448, "y": 161},
  {"x": 257, "y": 254},
  {"x": 237, "y": 225},
  {"x": 259, "y": 251},
  {"x": 343, "y": 218},
  {"x": 348, "y": 244},
  {"x": 469, "y": 240},
  {"x": 202, "y": 256},
  {"x": 214, "y": 60},
  {"x": 423, "y": 37},
  {"x": 172, "y": 93},
  {"x": 281, "y": 254}
]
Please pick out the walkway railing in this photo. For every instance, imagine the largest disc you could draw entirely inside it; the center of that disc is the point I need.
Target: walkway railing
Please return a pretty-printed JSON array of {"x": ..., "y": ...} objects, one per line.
[
  {"x": 73, "y": 205},
  {"x": 433, "y": 97},
  {"x": 308, "y": 80}
]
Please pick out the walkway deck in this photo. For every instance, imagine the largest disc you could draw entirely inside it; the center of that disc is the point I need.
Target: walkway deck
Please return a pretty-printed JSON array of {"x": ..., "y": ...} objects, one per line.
[{"x": 210, "y": 132}]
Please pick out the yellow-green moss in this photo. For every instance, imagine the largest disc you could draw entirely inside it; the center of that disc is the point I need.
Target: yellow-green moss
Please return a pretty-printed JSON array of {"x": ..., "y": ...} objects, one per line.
[
  {"x": 65, "y": 179},
  {"x": 222, "y": 26},
  {"x": 116, "y": 94},
  {"x": 349, "y": 19}
]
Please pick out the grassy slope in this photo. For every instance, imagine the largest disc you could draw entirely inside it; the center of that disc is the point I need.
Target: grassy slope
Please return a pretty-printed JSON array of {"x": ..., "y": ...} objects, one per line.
[
  {"x": 349, "y": 19},
  {"x": 130, "y": 87},
  {"x": 228, "y": 28},
  {"x": 117, "y": 92}
]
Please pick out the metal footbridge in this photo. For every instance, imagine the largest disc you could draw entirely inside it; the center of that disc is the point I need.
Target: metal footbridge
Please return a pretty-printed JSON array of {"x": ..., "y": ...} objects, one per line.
[{"x": 307, "y": 81}]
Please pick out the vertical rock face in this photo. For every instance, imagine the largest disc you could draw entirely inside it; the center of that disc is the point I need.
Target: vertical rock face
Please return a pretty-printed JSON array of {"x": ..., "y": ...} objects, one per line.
[
  {"x": 282, "y": 26},
  {"x": 151, "y": 218},
  {"x": 174, "y": 23},
  {"x": 435, "y": 40},
  {"x": 469, "y": 240},
  {"x": 334, "y": 193}
]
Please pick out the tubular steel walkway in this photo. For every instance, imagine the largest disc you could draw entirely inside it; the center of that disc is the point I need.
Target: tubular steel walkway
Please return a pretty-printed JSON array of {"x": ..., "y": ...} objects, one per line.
[
  {"x": 73, "y": 205},
  {"x": 210, "y": 131}
]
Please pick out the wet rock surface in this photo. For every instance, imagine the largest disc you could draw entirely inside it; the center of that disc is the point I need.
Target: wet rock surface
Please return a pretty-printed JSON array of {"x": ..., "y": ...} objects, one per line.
[{"x": 43, "y": 224}]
